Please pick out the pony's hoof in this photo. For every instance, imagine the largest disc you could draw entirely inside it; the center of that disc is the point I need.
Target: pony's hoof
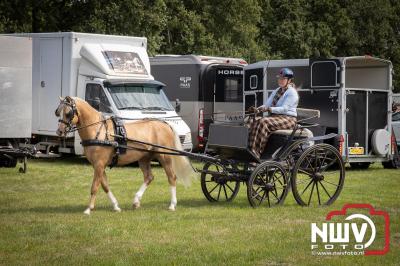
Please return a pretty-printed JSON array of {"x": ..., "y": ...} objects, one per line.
[
  {"x": 117, "y": 209},
  {"x": 136, "y": 205},
  {"x": 172, "y": 208},
  {"x": 87, "y": 211}
]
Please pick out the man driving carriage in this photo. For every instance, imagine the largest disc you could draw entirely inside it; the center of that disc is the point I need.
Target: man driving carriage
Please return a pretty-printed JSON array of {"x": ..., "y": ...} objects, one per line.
[{"x": 279, "y": 112}]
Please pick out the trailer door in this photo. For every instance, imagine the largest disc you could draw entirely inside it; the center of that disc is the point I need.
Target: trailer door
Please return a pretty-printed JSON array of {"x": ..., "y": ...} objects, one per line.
[
  {"x": 228, "y": 94},
  {"x": 49, "y": 88}
]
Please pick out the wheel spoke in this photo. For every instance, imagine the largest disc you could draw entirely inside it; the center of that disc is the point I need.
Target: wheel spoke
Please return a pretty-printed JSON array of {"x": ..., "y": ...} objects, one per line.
[
  {"x": 312, "y": 189},
  {"x": 330, "y": 183},
  {"x": 226, "y": 195},
  {"x": 256, "y": 193},
  {"x": 306, "y": 187},
  {"x": 262, "y": 198},
  {"x": 323, "y": 161},
  {"x": 213, "y": 188},
  {"x": 275, "y": 194},
  {"x": 219, "y": 192},
  {"x": 229, "y": 187},
  {"x": 322, "y": 185},
  {"x": 302, "y": 181},
  {"x": 319, "y": 200},
  {"x": 310, "y": 164},
  {"x": 304, "y": 171},
  {"x": 273, "y": 174},
  {"x": 269, "y": 203}
]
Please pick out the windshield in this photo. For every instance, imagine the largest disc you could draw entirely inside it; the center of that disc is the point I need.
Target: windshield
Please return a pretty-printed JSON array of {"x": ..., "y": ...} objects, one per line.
[{"x": 139, "y": 97}]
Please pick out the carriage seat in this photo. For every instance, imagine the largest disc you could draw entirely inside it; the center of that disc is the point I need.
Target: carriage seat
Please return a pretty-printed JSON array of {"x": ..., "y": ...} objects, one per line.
[
  {"x": 300, "y": 133},
  {"x": 303, "y": 113}
]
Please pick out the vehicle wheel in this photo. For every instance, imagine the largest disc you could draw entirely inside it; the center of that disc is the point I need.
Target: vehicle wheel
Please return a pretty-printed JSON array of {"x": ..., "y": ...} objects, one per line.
[
  {"x": 392, "y": 164},
  {"x": 267, "y": 184},
  {"x": 8, "y": 162},
  {"x": 360, "y": 165},
  {"x": 314, "y": 180},
  {"x": 395, "y": 162},
  {"x": 216, "y": 184}
]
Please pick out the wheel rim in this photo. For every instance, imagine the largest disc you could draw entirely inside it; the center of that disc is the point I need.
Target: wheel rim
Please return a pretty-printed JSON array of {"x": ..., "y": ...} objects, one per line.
[
  {"x": 215, "y": 185},
  {"x": 315, "y": 181},
  {"x": 267, "y": 185}
]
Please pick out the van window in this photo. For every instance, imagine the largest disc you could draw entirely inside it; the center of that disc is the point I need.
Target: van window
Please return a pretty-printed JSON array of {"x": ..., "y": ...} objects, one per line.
[
  {"x": 139, "y": 97},
  {"x": 94, "y": 92}
]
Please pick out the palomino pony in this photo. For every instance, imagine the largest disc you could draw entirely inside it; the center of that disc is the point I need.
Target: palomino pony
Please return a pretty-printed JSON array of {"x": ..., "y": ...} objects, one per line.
[{"x": 75, "y": 112}]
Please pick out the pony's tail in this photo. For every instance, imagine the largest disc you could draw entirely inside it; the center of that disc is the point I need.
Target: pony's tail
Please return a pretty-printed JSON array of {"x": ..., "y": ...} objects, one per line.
[{"x": 181, "y": 165}]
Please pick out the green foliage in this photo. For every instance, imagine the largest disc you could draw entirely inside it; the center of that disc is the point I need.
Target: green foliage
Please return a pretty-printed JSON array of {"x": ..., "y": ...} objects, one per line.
[{"x": 252, "y": 29}]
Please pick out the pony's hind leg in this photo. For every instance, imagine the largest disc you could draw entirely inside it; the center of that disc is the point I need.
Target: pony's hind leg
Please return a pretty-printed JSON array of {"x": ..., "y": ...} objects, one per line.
[
  {"x": 147, "y": 178},
  {"x": 166, "y": 162},
  {"x": 106, "y": 188}
]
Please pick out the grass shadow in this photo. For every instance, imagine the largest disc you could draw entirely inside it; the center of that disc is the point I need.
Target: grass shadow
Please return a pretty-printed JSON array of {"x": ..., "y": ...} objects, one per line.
[{"x": 79, "y": 208}]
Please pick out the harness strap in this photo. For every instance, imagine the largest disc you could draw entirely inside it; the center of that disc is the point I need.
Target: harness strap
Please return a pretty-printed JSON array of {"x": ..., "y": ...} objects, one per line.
[
  {"x": 98, "y": 142},
  {"x": 98, "y": 131}
]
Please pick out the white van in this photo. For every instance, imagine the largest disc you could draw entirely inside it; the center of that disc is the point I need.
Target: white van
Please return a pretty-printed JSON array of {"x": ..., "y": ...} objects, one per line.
[{"x": 112, "y": 73}]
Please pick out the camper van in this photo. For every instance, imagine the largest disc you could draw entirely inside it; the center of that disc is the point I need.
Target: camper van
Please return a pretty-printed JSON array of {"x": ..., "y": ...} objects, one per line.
[
  {"x": 354, "y": 95},
  {"x": 203, "y": 89},
  {"x": 112, "y": 73}
]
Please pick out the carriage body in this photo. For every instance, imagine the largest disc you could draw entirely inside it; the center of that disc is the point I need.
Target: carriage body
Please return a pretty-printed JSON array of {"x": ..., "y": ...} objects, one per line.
[{"x": 292, "y": 159}]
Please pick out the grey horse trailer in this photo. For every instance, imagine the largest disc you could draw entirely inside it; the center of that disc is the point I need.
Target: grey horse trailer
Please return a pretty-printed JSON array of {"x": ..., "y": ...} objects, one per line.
[
  {"x": 204, "y": 89},
  {"x": 353, "y": 94}
]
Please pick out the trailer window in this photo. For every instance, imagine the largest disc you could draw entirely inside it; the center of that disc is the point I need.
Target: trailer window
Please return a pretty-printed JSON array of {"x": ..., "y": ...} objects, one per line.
[
  {"x": 96, "y": 97},
  {"x": 233, "y": 90}
]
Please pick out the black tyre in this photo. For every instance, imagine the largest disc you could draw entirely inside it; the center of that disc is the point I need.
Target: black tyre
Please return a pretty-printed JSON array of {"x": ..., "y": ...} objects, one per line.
[
  {"x": 8, "y": 162},
  {"x": 314, "y": 180},
  {"x": 360, "y": 165},
  {"x": 216, "y": 184},
  {"x": 268, "y": 185},
  {"x": 395, "y": 162}
]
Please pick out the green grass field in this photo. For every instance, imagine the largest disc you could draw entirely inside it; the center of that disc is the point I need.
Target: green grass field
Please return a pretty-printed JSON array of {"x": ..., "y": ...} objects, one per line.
[{"x": 42, "y": 221}]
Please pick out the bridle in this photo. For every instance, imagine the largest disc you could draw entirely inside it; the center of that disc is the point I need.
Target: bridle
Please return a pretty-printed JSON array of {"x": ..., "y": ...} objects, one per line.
[{"x": 69, "y": 116}]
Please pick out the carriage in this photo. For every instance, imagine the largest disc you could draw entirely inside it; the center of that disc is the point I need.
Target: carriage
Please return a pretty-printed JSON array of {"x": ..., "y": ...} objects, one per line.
[{"x": 293, "y": 159}]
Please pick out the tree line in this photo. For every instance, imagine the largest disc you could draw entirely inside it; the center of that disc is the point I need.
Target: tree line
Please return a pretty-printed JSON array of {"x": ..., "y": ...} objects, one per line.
[{"x": 252, "y": 29}]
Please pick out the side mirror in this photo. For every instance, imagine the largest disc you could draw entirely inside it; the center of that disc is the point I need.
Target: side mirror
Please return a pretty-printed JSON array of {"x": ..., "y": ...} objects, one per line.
[
  {"x": 177, "y": 105},
  {"x": 96, "y": 103}
]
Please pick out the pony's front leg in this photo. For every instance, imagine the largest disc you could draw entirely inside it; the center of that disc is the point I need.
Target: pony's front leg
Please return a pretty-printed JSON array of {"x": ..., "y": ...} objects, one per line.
[
  {"x": 95, "y": 187},
  {"x": 106, "y": 188}
]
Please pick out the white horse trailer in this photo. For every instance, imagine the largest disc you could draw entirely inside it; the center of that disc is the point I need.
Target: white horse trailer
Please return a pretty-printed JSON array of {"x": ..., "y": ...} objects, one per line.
[
  {"x": 204, "y": 89},
  {"x": 354, "y": 95},
  {"x": 112, "y": 73}
]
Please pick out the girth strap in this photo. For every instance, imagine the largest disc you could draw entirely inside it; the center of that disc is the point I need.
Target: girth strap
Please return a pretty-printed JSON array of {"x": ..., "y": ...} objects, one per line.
[{"x": 97, "y": 142}]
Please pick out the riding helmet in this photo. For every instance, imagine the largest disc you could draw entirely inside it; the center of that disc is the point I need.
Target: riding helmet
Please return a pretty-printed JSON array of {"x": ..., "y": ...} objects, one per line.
[{"x": 286, "y": 73}]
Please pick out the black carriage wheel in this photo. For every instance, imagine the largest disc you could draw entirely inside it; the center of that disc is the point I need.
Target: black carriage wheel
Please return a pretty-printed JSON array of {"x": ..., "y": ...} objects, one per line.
[
  {"x": 268, "y": 185},
  {"x": 215, "y": 184},
  {"x": 314, "y": 180}
]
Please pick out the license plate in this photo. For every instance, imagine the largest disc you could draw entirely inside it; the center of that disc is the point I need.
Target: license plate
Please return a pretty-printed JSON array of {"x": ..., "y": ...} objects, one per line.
[{"x": 356, "y": 150}]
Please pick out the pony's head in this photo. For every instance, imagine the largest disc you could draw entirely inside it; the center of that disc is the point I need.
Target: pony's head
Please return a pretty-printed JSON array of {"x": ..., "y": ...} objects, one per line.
[{"x": 68, "y": 114}]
